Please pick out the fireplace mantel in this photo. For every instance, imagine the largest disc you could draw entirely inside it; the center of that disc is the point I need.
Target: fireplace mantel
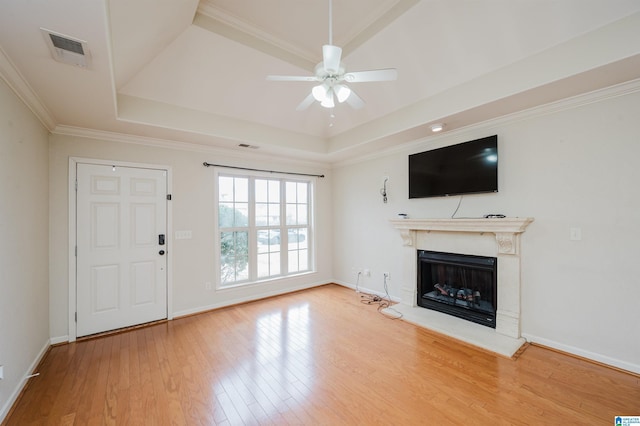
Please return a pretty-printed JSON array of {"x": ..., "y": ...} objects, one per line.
[
  {"x": 505, "y": 229},
  {"x": 514, "y": 225},
  {"x": 466, "y": 234}
]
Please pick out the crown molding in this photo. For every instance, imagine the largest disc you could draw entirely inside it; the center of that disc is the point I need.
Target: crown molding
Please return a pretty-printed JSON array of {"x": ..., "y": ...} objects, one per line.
[
  {"x": 179, "y": 146},
  {"x": 572, "y": 102},
  {"x": 14, "y": 79}
]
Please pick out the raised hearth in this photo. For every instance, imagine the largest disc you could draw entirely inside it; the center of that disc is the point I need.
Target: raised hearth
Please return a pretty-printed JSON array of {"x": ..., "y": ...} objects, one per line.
[{"x": 500, "y": 238}]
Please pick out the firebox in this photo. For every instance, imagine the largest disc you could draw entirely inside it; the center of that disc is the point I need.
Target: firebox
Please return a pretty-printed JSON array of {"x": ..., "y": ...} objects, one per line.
[{"x": 461, "y": 285}]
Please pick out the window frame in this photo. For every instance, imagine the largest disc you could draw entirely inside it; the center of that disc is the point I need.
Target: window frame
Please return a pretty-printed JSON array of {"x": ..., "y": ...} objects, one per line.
[{"x": 253, "y": 229}]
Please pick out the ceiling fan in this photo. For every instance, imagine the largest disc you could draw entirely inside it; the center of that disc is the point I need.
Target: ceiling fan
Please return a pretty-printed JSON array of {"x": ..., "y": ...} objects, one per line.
[{"x": 332, "y": 75}]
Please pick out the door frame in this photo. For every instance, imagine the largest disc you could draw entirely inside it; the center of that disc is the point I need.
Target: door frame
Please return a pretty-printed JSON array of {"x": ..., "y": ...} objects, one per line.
[{"x": 72, "y": 271}]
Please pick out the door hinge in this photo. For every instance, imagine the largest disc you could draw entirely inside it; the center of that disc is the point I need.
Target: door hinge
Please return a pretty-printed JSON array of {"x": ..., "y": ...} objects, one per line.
[
  {"x": 169, "y": 197},
  {"x": 76, "y": 185},
  {"x": 76, "y": 317},
  {"x": 76, "y": 251}
]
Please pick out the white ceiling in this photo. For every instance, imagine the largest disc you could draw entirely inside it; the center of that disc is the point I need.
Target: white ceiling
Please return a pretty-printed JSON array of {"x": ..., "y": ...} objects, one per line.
[{"x": 195, "y": 72}]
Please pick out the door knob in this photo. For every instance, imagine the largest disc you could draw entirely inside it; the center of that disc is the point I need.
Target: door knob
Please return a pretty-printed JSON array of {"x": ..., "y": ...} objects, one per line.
[{"x": 161, "y": 252}]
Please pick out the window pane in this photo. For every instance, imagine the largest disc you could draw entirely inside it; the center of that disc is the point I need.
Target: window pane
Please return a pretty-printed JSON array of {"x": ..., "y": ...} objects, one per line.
[
  {"x": 293, "y": 261},
  {"x": 292, "y": 214},
  {"x": 303, "y": 258},
  {"x": 302, "y": 214},
  {"x": 269, "y": 237},
  {"x": 241, "y": 189},
  {"x": 263, "y": 265},
  {"x": 274, "y": 237},
  {"x": 234, "y": 248},
  {"x": 302, "y": 192},
  {"x": 297, "y": 238},
  {"x": 298, "y": 260},
  {"x": 225, "y": 215},
  {"x": 241, "y": 214},
  {"x": 274, "y": 191},
  {"x": 268, "y": 264},
  {"x": 274, "y": 215},
  {"x": 225, "y": 188},
  {"x": 274, "y": 264},
  {"x": 262, "y": 195},
  {"x": 262, "y": 214},
  {"x": 292, "y": 193}
]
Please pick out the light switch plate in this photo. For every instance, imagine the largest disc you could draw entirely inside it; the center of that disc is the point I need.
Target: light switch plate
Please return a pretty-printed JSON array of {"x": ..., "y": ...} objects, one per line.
[{"x": 183, "y": 235}]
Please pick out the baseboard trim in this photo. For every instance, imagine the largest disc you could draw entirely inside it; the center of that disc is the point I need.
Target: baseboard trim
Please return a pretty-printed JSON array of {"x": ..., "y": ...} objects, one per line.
[
  {"x": 240, "y": 300},
  {"x": 21, "y": 386},
  {"x": 59, "y": 340},
  {"x": 584, "y": 354},
  {"x": 367, "y": 291}
]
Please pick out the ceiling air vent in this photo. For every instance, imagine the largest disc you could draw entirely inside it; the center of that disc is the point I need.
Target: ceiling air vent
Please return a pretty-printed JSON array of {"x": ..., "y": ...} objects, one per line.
[
  {"x": 67, "y": 50},
  {"x": 245, "y": 145}
]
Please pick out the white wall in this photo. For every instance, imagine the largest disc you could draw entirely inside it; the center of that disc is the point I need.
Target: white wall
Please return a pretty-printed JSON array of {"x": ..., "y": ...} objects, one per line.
[
  {"x": 24, "y": 244},
  {"x": 192, "y": 208},
  {"x": 573, "y": 165}
]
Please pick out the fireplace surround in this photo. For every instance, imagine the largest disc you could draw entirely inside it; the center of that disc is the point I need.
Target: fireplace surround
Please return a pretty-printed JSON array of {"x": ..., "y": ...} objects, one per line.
[{"x": 494, "y": 237}]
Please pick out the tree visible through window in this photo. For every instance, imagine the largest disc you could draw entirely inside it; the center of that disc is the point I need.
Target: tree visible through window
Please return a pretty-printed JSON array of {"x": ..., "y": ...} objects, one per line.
[{"x": 264, "y": 228}]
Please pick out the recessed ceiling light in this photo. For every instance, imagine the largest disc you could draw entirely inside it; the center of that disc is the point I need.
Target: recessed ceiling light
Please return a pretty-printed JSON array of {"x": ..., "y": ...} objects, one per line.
[{"x": 437, "y": 127}]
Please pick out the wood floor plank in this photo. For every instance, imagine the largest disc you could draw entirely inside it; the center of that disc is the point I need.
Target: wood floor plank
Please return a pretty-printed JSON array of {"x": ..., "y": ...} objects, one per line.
[{"x": 318, "y": 356}]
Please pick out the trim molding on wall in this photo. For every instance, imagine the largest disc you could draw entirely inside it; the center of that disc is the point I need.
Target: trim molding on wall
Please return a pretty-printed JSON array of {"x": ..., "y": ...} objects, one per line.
[
  {"x": 16, "y": 82},
  {"x": 4, "y": 410},
  {"x": 589, "y": 356}
]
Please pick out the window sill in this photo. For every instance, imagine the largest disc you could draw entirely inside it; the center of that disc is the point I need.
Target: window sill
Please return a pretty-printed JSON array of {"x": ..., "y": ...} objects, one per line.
[{"x": 229, "y": 287}]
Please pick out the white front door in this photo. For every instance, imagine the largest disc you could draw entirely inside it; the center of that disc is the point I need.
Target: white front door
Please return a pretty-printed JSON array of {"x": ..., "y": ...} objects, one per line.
[{"x": 121, "y": 217}]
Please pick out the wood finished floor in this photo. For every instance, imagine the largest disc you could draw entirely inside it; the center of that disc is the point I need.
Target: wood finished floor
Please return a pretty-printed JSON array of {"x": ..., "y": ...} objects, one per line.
[{"x": 313, "y": 357}]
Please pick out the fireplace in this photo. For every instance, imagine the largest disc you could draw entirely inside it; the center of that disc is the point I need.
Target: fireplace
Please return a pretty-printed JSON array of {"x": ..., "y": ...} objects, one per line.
[
  {"x": 458, "y": 284},
  {"x": 497, "y": 238}
]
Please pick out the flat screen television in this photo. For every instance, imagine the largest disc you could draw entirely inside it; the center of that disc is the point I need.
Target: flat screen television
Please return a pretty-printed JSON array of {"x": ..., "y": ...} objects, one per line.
[{"x": 466, "y": 168}]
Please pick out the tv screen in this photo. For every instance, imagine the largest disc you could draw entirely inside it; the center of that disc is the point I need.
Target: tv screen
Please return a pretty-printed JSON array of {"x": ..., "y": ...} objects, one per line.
[{"x": 466, "y": 168}]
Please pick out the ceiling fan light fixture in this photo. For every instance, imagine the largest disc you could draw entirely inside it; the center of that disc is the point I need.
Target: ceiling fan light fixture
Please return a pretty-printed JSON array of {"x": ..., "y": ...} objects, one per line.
[
  {"x": 319, "y": 92},
  {"x": 342, "y": 92},
  {"x": 328, "y": 101}
]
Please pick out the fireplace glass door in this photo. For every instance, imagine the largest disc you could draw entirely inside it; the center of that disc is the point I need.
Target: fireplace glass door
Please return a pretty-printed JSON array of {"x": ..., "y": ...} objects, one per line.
[{"x": 458, "y": 284}]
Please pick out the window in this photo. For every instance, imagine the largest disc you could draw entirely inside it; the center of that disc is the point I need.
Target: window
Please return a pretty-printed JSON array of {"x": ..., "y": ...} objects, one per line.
[{"x": 264, "y": 227}]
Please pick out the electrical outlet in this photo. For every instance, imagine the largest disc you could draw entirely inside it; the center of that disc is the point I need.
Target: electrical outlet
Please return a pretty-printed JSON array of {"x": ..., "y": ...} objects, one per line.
[
  {"x": 1, "y": 372},
  {"x": 386, "y": 274},
  {"x": 366, "y": 272},
  {"x": 207, "y": 285}
]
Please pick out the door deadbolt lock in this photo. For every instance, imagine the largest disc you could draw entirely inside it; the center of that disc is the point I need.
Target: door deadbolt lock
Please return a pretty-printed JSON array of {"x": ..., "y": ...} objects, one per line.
[{"x": 161, "y": 252}]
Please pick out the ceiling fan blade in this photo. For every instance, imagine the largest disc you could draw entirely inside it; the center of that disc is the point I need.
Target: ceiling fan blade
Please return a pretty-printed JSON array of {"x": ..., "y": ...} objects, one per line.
[
  {"x": 306, "y": 103},
  {"x": 291, "y": 78},
  {"x": 331, "y": 56},
  {"x": 387, "y": 74},
  {"x": 355, "y": 101}
]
